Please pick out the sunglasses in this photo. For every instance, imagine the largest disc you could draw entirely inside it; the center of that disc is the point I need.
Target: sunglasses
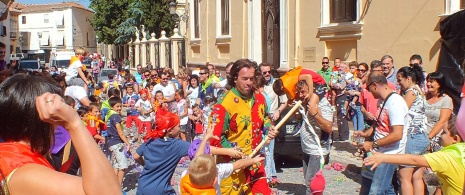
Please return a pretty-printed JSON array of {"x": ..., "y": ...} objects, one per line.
[
  {"x": 155, "y": 75},
  {"x": 362, "y": 70},
  {"x": 266, "y": 72},
  {"x": 202, "y": 73},
  {"x": 325, "y": 62}
]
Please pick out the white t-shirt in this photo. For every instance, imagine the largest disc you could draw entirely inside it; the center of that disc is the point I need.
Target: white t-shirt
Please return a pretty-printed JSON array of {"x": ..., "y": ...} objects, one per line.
[
  {"x": 77, "y": 93},
  {"x": 192, "y": 97},
  {"x": 180, "y": 106},
  {"x": 145, "y": 105},
  {"x": 274, "y": 99},
  {"x": 168, "y": 91},
  {"x": 224, "y": 171},
  {"x": 72, "y": 70},
  {"x": 395, "y": 112}
]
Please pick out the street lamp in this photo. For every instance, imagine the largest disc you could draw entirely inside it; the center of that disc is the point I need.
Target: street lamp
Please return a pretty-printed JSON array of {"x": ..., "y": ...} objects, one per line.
[{"x": 178, "y": 17}]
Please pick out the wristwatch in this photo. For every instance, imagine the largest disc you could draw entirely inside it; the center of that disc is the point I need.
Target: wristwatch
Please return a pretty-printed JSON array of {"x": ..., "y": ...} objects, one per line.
[{"x": 375, "y": 145}]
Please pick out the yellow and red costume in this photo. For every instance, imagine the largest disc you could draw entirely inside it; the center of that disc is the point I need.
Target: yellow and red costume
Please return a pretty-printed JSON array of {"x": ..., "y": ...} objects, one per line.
[
  {"x": 240, "y": 123},
  {"x": 95, "y": 125},
  {"x": 15, "y": 155}
]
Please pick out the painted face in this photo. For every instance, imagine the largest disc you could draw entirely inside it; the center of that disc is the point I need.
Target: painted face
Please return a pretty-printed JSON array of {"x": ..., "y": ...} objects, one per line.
[
  {"x": 244, "y": 81},
  {"x": 117, "y": 108},
  {"x": 432, "y": 85},
  {"x": 387, "y": 65},
  {"x": 403, "y": 82},
  {"x": 266, "y": 72},
  {"x": 95, "y": 111}
]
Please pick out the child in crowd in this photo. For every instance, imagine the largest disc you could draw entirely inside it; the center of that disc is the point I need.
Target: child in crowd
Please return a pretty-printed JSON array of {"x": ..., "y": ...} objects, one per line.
[
  {"x": 93, "y": 122},
  {"x": 182, "y": 107},
  {"x": 117, "y": 142},
  {"x": 160, "y": 155},
  {"x": 146, "y": 112},
  {"x": 447, "y": 163},
  {"x": 105, "y": 104},
  {"x": 94, "y": 99},
  {"x": 70, "y": 101},
  {"x": 159, "y": 104},
  {"x": 204, "y": 175},
  {"x": 197, "y": 120},
  {"x": 82, "y": 112},
  {"x": 129, "y": 101},
  {"x": 207, "y": 110}
]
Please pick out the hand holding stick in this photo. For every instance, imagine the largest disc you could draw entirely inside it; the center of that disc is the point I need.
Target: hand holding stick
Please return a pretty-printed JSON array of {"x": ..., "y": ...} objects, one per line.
[{"x": 283, "y": 120}]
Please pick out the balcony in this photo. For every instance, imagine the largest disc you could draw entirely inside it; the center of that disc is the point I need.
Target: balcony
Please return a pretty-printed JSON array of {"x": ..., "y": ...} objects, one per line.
[{"x": 13, "y": 35}]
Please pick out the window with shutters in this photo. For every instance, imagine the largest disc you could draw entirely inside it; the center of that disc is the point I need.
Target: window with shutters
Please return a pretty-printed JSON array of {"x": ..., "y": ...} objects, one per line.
[
  {"x": 23, "y": 19},
  {"x": 343, "y": 11},
  {"x": 224, "y": 17}
]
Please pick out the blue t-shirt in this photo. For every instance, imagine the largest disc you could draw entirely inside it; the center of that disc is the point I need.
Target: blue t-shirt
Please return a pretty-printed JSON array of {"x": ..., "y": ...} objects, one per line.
[
  {"x": 209, "y": 91},
  {"x": 161, "y": 158},
  {"x": 113, "y": 137},
  {"x": 131, "y": 100}
]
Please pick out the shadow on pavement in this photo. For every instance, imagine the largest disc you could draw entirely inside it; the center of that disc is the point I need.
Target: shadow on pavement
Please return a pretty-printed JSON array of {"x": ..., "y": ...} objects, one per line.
[
  {"x": 353, "y": 172},
  {"x": 292, "y": 188},
  {"x": 344, "y": 146},
  {"x": 285, "y": 161},
  {"x": 130, "y": 179}
]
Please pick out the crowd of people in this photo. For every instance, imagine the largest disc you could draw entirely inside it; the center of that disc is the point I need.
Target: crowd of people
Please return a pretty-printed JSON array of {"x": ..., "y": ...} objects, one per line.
[{"x": 158, "y": 118}]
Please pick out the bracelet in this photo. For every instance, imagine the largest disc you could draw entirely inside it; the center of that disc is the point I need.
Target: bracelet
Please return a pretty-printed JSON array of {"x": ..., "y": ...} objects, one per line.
[{"x": 315, "y": 114}]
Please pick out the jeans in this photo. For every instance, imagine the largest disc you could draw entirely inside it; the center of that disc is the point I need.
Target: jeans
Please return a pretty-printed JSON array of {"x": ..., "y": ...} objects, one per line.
[
  {"x": 342, "y": 125},
  {"x": 359, "y": 122},
  {"x": 311, "y": 165},
  {"x": 270, "y": 168},
  {"x": 381, "y": 184}
]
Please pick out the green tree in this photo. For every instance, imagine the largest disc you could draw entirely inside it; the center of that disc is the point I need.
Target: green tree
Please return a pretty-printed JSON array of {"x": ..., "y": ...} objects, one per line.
[
  {"x": 109, "y": 14},
  {"x": 126, "y": 30},
  {"x": 156, "y": 17}
]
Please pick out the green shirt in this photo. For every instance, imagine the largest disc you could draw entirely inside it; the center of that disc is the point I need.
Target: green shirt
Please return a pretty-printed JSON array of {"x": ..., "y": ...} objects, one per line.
[{"x": 325, "y": 74}]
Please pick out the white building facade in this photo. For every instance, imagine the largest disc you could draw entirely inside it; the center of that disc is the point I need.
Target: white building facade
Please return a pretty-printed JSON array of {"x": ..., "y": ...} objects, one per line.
[{"x": 56, "y": 27}]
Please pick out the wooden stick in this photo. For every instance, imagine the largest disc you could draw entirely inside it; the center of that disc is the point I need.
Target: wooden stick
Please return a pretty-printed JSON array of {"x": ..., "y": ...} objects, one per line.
[{"x": 284, "y": 119}]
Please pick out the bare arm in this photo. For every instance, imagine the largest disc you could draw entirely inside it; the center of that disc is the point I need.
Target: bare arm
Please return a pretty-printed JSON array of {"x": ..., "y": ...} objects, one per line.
[
  {"x": 247, "y": 162},
  {"x": 409, "y": 98},
  {"x": 139, "y": 159},
  {"x": 309, "y": 80},
  {"x": 83, "y": 77},
  {"x": 397, "y": 159},
  {"x": 394, "y": 136},
  {"x": 443, "y": 118},
  {"x": 121, "y": 134},
  {"x": 94, "y": 164}
]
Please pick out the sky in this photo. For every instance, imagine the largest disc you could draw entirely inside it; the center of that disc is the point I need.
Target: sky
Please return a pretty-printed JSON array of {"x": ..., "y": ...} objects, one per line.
[{"x": 83, "y": 2}]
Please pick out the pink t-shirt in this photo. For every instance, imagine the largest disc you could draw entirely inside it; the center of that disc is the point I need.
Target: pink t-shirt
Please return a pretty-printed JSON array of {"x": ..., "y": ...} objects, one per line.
[{"x": 368, "y": 100}]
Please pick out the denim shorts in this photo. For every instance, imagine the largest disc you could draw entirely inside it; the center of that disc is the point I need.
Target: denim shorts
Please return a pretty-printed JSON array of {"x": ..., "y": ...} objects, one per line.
[{"x": 417, "y": 143}]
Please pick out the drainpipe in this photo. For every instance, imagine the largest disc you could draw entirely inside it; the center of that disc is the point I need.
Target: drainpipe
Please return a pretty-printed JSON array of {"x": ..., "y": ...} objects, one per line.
[{"x": 296, "y": 32}]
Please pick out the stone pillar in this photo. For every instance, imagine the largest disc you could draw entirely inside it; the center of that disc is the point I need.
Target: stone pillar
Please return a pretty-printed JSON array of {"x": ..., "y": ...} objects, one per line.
[
  {"x": 163, "y": 40},
  {"x": 175, "y": 39},
  {"x": 152, "y": 42},
  {"x": 143, "y": 45},
  {"x": 125, "y": 51},
  {"x": 137, "y": 52}
]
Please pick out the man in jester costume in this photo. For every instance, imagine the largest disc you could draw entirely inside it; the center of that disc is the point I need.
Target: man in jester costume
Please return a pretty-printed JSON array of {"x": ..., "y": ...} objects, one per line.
[{"x": 242, "y": 122}]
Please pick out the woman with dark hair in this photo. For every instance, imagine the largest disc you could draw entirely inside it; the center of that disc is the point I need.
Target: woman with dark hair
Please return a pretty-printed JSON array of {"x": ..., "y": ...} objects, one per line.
[
  {"x": 34, "y": 109},
  {"x": 438, "y": 109},
  {"x": 410, "y": 79},
  {"x": 192, "y": 91}
]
